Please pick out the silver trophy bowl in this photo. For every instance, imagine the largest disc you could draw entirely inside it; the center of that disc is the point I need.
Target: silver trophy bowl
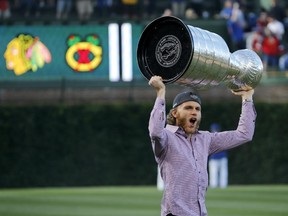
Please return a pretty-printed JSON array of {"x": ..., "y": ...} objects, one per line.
[{"x": 194, "y": 57}]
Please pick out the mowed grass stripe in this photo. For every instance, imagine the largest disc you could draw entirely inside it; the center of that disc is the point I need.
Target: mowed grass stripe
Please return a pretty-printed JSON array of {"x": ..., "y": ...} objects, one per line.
[
  {"x": 248, "y": 200},
  {"x": 80, "y": 201},
  {"x": 128, "y": 201}
]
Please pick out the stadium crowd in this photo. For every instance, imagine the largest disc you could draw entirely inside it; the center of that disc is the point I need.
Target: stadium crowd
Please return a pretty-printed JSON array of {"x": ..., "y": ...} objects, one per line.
[{"x": 261, "y": 29}]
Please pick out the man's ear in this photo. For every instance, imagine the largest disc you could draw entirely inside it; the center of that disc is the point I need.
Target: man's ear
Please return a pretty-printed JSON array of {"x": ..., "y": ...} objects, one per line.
[{"x": 174, "y": 112}]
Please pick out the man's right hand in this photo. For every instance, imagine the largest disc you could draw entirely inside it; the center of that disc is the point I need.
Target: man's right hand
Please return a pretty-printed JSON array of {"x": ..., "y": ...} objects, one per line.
[{"x": 157, "y": 83}]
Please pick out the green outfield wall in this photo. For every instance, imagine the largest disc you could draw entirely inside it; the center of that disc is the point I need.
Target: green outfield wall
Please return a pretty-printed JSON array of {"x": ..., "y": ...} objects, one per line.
[{"x": 109, "y": 145}]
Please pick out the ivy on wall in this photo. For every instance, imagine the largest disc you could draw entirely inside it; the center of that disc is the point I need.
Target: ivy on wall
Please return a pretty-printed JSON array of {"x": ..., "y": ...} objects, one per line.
[{"x": 108, "y": 144}]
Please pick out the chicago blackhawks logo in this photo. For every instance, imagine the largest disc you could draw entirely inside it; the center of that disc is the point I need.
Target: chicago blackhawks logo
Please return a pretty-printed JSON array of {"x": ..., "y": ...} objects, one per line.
[
  {"x": 26, "y": 53},
  {"x": 84, "y": 56}
]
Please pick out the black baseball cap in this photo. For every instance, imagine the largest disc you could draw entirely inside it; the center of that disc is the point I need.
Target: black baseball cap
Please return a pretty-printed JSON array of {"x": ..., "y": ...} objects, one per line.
[{"x": 184, "y": 97}]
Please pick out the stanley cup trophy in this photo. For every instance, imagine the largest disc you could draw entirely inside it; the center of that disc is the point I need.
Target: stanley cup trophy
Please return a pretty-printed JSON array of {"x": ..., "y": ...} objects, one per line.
[{"x": 194, "y": 57}]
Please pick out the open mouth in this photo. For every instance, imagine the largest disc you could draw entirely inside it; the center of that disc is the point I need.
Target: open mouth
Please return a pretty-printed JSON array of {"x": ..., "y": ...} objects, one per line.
[{"x": 193, "y": 120}]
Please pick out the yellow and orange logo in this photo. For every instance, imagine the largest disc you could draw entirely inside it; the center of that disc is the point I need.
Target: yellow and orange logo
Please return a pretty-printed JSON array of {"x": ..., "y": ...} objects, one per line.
[
  {"x": 84, "y": 56},
  {"x": 25, "y": 53}
]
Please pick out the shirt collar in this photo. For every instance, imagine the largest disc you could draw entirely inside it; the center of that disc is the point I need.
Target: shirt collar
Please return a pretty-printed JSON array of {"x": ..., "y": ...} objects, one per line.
[
  {"x": 172, "y": 128},
  {"x": 175, "y": 129}
]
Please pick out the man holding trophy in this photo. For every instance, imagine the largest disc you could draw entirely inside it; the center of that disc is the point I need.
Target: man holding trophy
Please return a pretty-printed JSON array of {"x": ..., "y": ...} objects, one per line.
[
  {"x": 171, "y": 52},
  {"x": 181, "y": 149}
]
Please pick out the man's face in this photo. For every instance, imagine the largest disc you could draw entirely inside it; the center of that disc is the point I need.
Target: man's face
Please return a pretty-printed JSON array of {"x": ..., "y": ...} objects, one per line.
[{"x": 188, "y": 116}]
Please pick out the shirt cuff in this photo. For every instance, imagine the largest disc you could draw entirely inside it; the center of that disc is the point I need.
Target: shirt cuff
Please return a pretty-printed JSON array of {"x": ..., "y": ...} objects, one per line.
[{"x": 247, "y": 100}]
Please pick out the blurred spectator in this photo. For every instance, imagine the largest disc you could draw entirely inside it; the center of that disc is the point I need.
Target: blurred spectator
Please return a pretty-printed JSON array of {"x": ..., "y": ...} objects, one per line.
[
  {"x": 84, "y": 9},
  {"x": 5, "y": 9},
  {"x": 167, "y": 12},
  {"x": 277, "y": 11},
  {"x": 28, "y": 7},
  {"x": 251, "y": 18},
  {"x": 190, "y": 14},
  {"x": 63, "y": 8},
  {"x": 255, "y": 38},
  {"x": 262, "y": 21},
  {"x": 256, "y": 41},
  {"x": 178, "y": 8},
  {"x": 265, "y": 4},
  {"x": 236, "y": 25},
  {"x": 129, "y": 8},
  {"x": 105, "y": 8},
  {"x": 196, "y": 6},
  {"x": 283, "y": 62},
  {"x": 43, "y": 8},
  {"x": 226, "y": 10},
  {"x": 271, "y": 49},
  {"x": 275, "y": 26}
]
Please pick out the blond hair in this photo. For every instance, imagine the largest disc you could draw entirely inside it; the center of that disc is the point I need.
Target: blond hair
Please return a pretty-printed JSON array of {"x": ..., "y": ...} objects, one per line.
[{"x": 171, "y": 120}]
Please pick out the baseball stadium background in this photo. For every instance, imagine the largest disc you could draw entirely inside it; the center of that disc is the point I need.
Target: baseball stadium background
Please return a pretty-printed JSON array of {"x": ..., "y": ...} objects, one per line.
[{"x": 74, "y": 138}]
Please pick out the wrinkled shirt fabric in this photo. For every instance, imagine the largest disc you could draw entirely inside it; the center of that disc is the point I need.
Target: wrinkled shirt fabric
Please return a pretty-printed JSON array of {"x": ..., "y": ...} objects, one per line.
[{"x": 183, "y": 162}]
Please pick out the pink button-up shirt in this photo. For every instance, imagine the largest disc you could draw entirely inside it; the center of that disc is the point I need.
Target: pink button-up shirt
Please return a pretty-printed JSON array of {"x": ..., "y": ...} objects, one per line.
[{"x": 183, "y": 162}]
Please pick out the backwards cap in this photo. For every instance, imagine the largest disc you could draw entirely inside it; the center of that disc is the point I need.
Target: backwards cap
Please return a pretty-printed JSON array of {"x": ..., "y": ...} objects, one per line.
[{"x": 184, "y": 97}]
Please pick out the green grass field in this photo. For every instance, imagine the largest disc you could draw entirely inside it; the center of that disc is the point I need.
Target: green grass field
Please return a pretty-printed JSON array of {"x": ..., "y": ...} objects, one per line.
[{"x": 138, "y": 201}]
